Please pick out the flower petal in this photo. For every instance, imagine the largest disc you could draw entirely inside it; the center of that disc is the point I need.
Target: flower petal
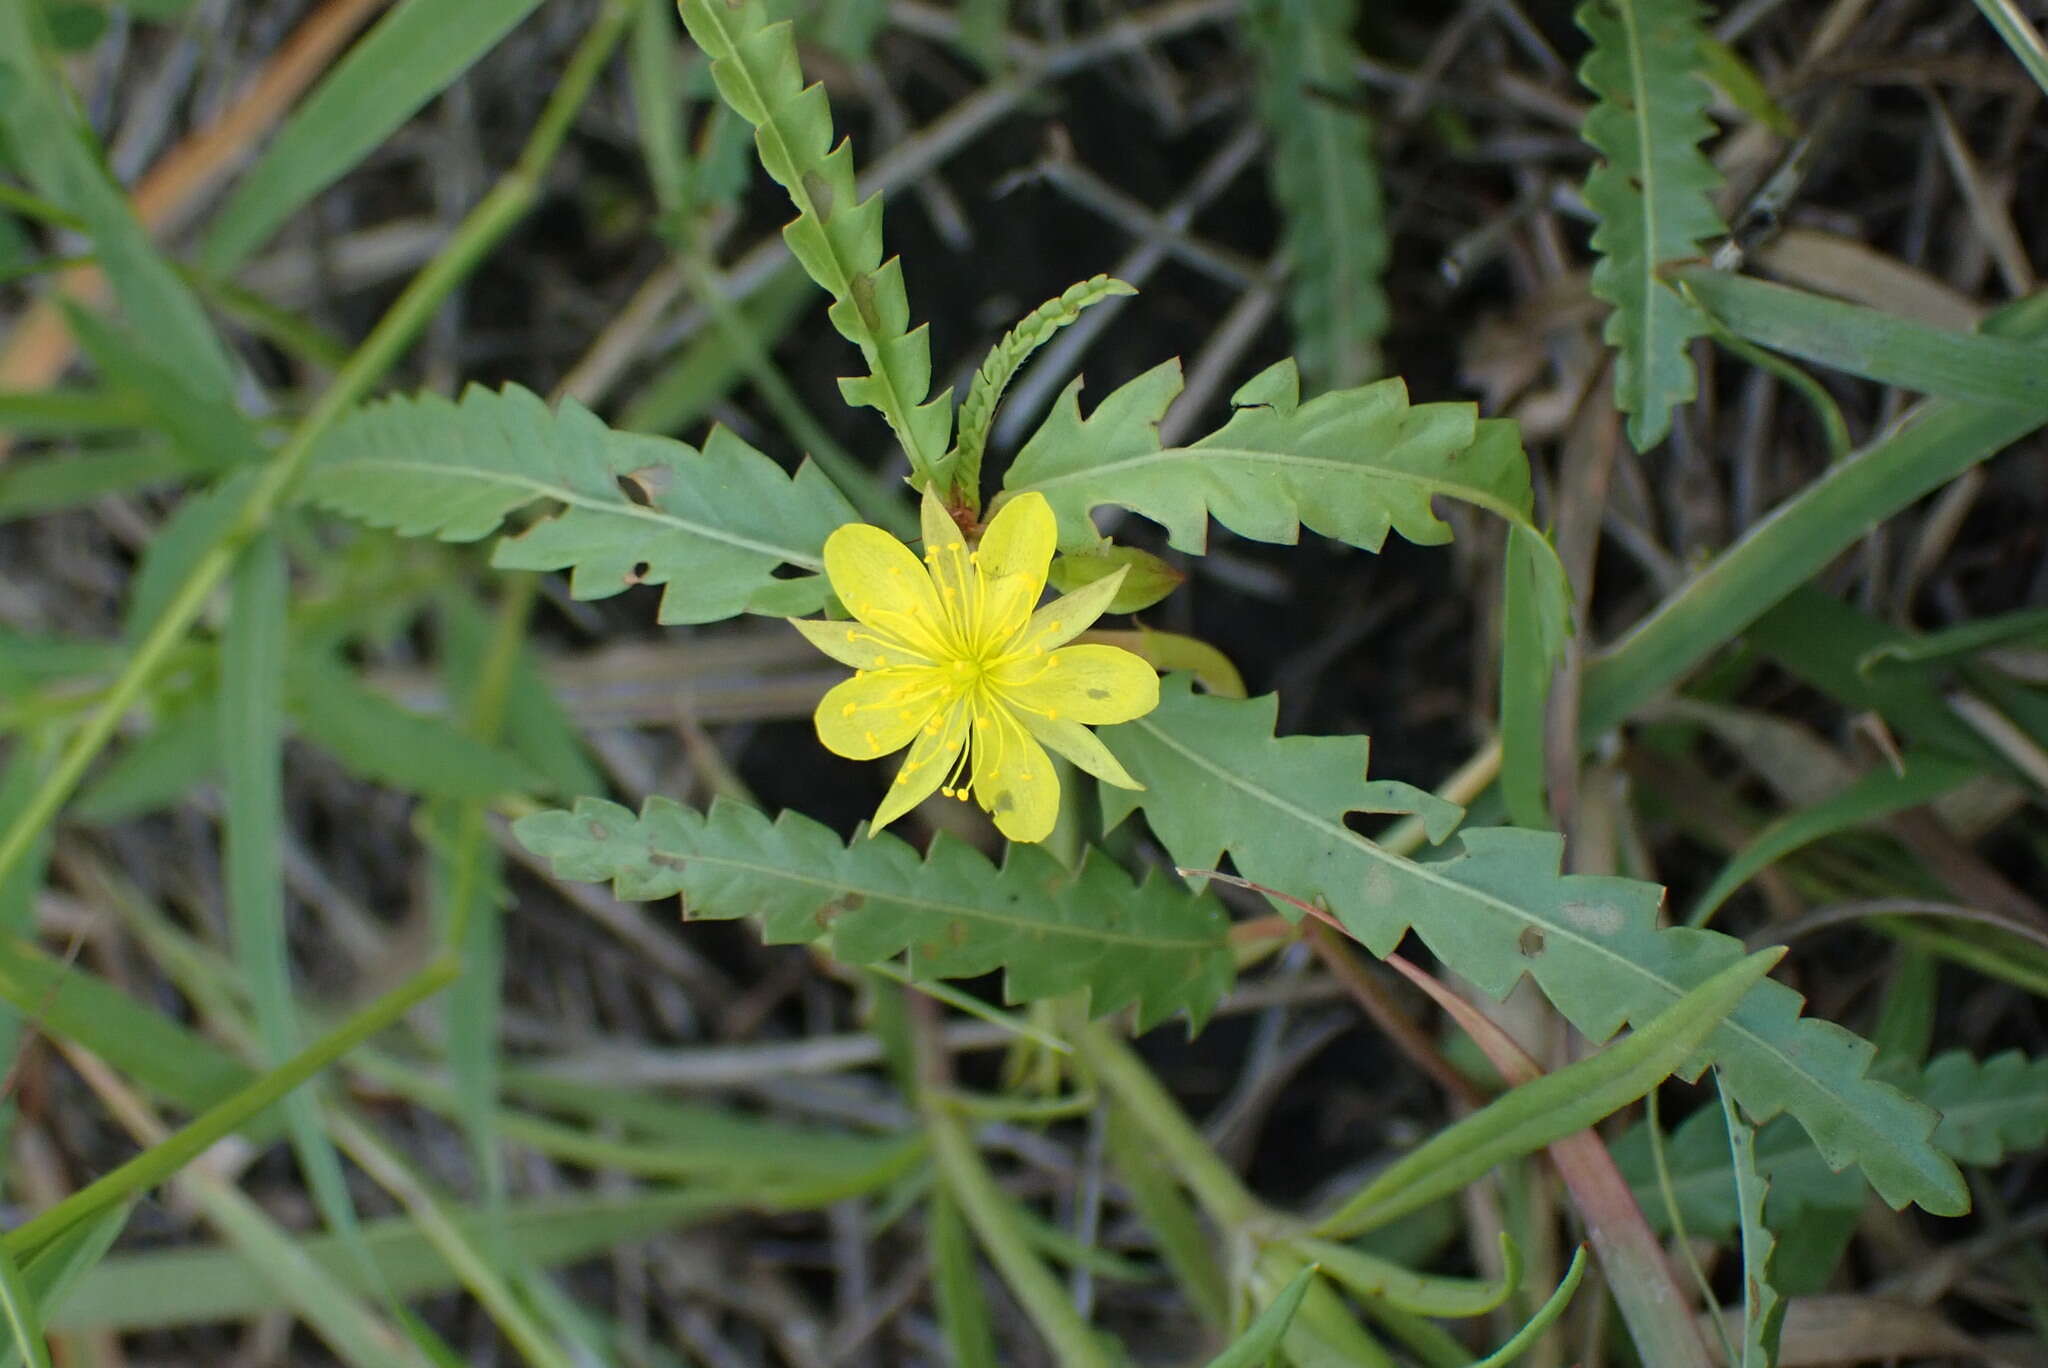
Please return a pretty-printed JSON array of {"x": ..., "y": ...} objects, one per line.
[
  {"x": 1016, "y": 551},
  {"x": 878, "y": 711},
  {"x": 881, "y": 583},
  {"x": 925, "y": 768},
  {"x": 1020, "y": 539},
  {"x": 857, "y": 644},
  {"x": 1014, "y": 778},
  {"x": 1081, "y": 746},
  {"x": 1090, "y": 683},
  {"x": 1065, "y": 618},
  {"x": 952, "y": 574}
]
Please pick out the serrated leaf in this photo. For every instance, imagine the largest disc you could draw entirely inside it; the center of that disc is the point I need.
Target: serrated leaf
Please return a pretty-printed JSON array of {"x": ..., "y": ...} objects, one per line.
[
  {"x": 1650, "y": 193},
  {"x": 962, "y": 467},
  {"x": 1326, "y": 181},
  {"x": 715, "y": 527},
  {"x": 1051, "y": 930},
  {"x": 1218, "y": 780},
  {"x": 1763, "y": 1310},
  {"x": 1989, "y": 1108},
  {"x": 1697, "y": 1157},
  {"x": 1352, "y": 464},
  {"x": 836, "y": 236}
]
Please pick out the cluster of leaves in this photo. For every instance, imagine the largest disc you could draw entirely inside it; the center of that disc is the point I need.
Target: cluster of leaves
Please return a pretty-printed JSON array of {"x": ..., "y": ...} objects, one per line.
[{"x": 729, "y": 532}]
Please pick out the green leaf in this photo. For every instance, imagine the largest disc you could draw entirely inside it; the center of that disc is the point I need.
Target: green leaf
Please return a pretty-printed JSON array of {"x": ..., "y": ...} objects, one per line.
[
  {"x": 224, "y": 1117},
  {"x": 1326, "y": 182},
  {"x": 195, "y": 1285},
  {"x": 1989, "y": 1108},
  {"x": 1351, "y": 464},
  {"x": 251, "y": 728},
  {"x": 1650, "y": 192},
  {"x": 715, "y": 525},
  {"x": 1147, "y": 579},
  {"x": 30, "y": 485},
  {"x": 956, "y": 1285},
  {"x": 1050, "y": 930},
  {"x": 56, "y": 1268},
  {"x": 175, "y": 1064},
  {"x": 1763, "y": 1310},
  {"x": 1217, "y": 780},
  {"x": 1553, "y": 1105},
  {"x": 413, "y": 53},
  {"x": 1256, "y": 1345},
  {"x": 1422, "y": 1294},
  {"x": 206, "y": 426},
  {"x": 1871, "y": 343},
  {"x": 55, "y": 152},
  {"x": 1922, "y": 778},
  {"x": 1545, "y": 1316},
  {"x": 24, "y": 1321},
  {"x": 836, "y": 236},
  {"x": 377, "y": 740},
  {"x": 1736, "y": 79},
  {"x": 28, "y": 661},
  {"x": 157, "y": 770},
  {"x": 962, "y": 468}
]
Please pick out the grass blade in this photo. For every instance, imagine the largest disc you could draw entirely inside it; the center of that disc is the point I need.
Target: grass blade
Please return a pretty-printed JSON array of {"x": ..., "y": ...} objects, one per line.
[
  {"x": 1554, "y": 1105},
  {"x": 1872, "y": 343},
  {"x": 412, "y": 54},
  {"x": 24, "y": 1321},
  {"x": 1256, "y": 1345},
  {"x": 56, "y": 154},
  {"x": 1933, "y": 444},
  {"x": 158, "y": 1162}
]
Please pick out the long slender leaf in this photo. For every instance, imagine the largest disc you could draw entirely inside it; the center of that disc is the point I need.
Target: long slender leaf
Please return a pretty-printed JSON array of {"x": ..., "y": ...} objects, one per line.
[
  {"x": 1936, "y": 442},
  {"x": 1326, "y": 181},
  {"x": 54, "y": 150},
  {"x": 412, "y": 54},
  {"x": 1256, "y": 1345},
  {"x": 1763, "y": 1310},
  {"x": 1872, "y": 343},
  {"x": 1533, "y": 1114}
]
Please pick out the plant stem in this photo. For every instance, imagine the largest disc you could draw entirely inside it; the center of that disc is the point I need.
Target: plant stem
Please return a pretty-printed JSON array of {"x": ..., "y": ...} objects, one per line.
[
  {"x": 487, "y": 224},
  {"x": 988, "y": 1208},
  {"x": 1117, "y": 1068},
  {"x": 158, "y": 1162}
]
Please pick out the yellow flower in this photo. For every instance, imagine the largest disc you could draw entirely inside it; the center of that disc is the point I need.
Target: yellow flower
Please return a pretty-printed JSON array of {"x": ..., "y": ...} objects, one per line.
[{"x": 954, "y": 662}]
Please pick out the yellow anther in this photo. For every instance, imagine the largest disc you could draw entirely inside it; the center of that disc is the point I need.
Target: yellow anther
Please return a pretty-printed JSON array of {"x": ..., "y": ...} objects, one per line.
[
  {"x": 1054, "y": 625},
  {"x": 873, "y": 743},
  {"x": 1052, "y": 714},
  {"x": 848, "y": 710}
]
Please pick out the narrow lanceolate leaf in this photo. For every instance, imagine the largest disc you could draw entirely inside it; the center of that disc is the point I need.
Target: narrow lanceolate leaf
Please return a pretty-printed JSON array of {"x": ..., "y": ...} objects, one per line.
[
  {"x": 1051, "y": 930},
  {"x": 836, "y": 236},
  {"x": 1763, "y": 1310},
  {"x": 962, "y": 470},
  {"x": 1650, "y": 193},
  {"x": 412, "y": 54},
  {"x": 1217, "y": 780},
  {"x": 713, "y": 525},
  {"x": 1352, "y": 464},
  {"x": 1327, "y": 184},
  {"x": 1989, "y": 1108}
]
